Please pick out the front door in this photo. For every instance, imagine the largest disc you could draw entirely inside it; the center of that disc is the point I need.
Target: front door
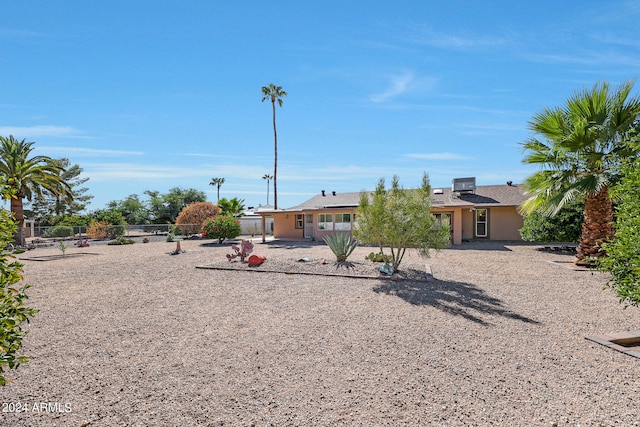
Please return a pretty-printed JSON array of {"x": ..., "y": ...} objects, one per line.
[{"x": 308, "y": 226}]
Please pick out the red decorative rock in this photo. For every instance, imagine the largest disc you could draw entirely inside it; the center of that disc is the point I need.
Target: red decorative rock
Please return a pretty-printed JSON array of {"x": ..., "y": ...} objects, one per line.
[{"x": 256, "y": 260}]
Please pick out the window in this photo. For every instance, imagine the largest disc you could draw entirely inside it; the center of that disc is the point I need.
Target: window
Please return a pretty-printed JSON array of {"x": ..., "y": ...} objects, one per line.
[
  {"x": 299, "y": 220},
  {"x": 481, "y": 222},
  {"x": 325, "y": 221},
  {"x": 343, "y": 222}
]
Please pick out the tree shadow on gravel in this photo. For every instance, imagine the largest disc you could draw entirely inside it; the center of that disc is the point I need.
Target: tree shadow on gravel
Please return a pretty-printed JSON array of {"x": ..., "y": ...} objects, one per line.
[{"x": 456, "y": 298}]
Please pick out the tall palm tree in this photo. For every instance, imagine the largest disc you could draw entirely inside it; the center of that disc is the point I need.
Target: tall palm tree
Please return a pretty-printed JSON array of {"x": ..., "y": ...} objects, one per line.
[
  {"x": 29, "y": 177},
  {"x": 218, "y": 183},
  {"x": 274, "y": 94},
  {"x": 580, "y": 152},
  {"x": 268, "y": 178}
]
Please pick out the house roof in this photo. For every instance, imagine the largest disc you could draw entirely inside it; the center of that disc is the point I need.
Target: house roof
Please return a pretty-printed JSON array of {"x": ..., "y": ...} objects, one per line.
[{"x": 485, "y": 196}]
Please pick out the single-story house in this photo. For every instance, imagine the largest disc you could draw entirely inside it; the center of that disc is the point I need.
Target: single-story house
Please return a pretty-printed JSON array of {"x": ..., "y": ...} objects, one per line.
[{"x": 473, "y": 212}]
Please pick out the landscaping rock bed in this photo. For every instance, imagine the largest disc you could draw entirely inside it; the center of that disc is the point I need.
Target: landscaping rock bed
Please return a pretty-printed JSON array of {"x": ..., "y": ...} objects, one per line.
[{"x": 136, "y": 337}]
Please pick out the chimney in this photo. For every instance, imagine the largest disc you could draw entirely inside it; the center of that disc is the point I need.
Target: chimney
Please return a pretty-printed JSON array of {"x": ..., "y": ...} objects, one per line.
[
  {"x": 333, "y": 193},
  {"x": 323, "y": 193}
]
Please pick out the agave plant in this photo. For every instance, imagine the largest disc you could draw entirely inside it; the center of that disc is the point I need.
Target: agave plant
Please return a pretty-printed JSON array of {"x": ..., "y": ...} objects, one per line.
[{"x": 341, "y": 244}]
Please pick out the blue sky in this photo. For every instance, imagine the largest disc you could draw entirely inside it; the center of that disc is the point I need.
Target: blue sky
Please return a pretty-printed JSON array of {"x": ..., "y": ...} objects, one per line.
[{"x": 150, "y": 95}]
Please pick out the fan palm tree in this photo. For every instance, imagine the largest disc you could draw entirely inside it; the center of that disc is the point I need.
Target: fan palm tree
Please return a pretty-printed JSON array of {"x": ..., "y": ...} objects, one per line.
[
  {"x": 274, "y": 94},
  {"x": 233, "y": 207},
  {"x": 580, "y": 152},
  {"x": 218, "y": 183},
  {"x": 268, "y": 178},
  {"x": 29, "y": 177}
]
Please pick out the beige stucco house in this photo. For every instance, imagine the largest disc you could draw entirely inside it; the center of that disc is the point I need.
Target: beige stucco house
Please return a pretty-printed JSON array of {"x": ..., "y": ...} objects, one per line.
[{"x": 473, "y": 212}]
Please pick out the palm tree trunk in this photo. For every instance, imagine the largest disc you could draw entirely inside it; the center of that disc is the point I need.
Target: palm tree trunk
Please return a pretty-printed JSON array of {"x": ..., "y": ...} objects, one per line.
[
  {"x": 275, "y": 157},
  {"x": 597, "y": 226},
  {"x": 267, "y": 192},
  {"x": 18, "y": 213}
]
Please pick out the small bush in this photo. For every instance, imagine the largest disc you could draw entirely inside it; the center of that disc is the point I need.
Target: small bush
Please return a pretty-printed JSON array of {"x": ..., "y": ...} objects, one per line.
[
  {"x": 102, "y": 230},
  {"x": 341, "y": 244},
  {"x": 378, "y": 257},
  {"x": 253, "y": 230},
  {"x": 59, "y": 231},
  {"x": 98, "y": 229},
  {"x": 117, "y": 230},
  {"x": 221, "y": 227},
  {"x": 122, "y": 241},
  {"x": 192, "y": 217}
]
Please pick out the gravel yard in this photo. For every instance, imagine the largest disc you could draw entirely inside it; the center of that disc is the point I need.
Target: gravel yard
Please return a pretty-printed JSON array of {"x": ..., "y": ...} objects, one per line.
[{"x": 133, "y": 336}]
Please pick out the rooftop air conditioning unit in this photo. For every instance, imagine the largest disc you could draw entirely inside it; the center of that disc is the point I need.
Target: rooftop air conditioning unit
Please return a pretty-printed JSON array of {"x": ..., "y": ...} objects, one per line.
[
  {"x": 437, "y": 191},
  {"x": 464, "y": 185}
]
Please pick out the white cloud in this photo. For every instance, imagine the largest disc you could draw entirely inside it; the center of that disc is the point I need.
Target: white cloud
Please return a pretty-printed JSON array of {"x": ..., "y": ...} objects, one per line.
[
  {"x": 403, "y": 83},
  {"x": 155, "y": 172},
  {"x": 398, "y": 85},
  {"x": 88, "y": 152},
  {"x": 426, "y": 36}
]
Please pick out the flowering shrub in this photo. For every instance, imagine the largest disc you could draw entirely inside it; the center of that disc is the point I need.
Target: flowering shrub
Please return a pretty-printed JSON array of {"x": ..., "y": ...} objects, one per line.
[
  {"x": 241, "y": 252},
  {"x": 221, "y": 227}
]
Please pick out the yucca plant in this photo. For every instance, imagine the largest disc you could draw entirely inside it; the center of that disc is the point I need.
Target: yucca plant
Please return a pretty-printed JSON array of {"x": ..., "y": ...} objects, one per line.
[{"x": 341, "y": 244}]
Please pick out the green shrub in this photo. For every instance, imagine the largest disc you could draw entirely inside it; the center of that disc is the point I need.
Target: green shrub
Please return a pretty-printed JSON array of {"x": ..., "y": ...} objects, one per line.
[
  {"x": 117, "y": 230},
  {"x": 221, "y": 227},
  {"x": 622, "y": 258},
  {"x": 378, "y": 257},
  {"x": 565, "y": 226},
  {"x": 341, "y": 244},
  {"x": 59, "y": 231},
  {"x": 121, "y": 241},
  {"x": 13, "y": 312}
]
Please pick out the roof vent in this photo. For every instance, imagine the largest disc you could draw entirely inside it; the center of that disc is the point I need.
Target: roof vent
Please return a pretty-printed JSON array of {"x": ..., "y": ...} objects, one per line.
[
  {"x": 322, "y": 191},
  {"x": 437, "y": 191},
  {"x": 333, "y": 193},
  {"x": 464, "y": 185}
]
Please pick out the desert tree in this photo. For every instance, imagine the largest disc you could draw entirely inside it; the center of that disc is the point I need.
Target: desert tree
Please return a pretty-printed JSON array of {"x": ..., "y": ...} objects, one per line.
[{"x": 400, "y": 219}]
